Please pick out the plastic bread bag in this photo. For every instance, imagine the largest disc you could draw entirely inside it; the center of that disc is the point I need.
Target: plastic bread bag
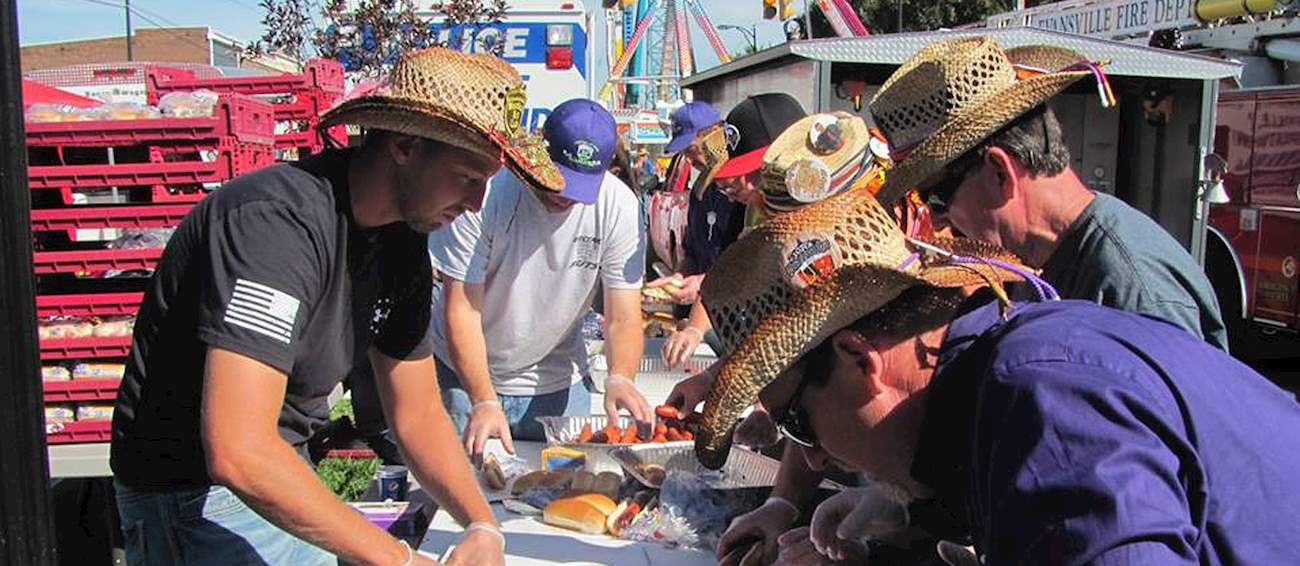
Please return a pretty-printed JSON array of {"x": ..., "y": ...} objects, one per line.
[
  {"x": 194, "y": 104},
  {"x": 55, "y": 373},
  {"x": 65, "y": 327},
  {"x": 691, "y": 514},
  {"x": 88, "y": 370},
  {"x": 58, "y": 414},
  {"x": 115, "y": 327},
  {"x": 94, "y": 412}
]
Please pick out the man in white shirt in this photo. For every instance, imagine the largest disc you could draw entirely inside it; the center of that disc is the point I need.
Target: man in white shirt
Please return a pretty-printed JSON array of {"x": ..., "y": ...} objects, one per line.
[{"x": 518, "y": 278}]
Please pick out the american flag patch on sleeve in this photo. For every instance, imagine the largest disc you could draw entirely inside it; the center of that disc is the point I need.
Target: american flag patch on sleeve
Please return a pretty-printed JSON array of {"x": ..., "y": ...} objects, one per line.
[{"x": 262, "y": 309}]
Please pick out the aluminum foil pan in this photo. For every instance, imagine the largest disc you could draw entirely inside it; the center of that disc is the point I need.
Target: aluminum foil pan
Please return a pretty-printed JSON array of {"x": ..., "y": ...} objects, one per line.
[
  {"x": 564, "y": 431},
  {"x": 744, "y": 469}
]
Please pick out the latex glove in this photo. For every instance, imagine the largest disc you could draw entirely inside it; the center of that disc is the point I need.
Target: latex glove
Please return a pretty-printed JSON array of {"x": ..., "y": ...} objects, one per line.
[
  {"x": 684, "y": 289},
  {"x": 796, "y": 549},
  {"x": 758, "y": 430},
  {"x": 681, "y": 346},
  {"x": 852, "y": 515},
  {"x": 621, "y": 393},
  {"x": 690, "y": 392},
  {"x": 764, "y": 524},
  {"x": 479, "y": 547},
  {"x": 486, "y": 420}
]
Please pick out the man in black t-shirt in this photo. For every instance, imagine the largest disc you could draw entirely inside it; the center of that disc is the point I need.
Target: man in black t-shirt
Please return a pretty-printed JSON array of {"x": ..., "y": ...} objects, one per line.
[{"x": 265, "y": 296}]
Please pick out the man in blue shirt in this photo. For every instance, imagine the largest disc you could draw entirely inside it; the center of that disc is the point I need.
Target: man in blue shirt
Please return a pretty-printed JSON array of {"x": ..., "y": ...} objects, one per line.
[{"x": 1053, "y": 432}]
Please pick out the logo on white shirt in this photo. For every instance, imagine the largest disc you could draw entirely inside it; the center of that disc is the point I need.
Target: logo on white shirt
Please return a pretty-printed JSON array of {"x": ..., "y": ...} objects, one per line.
[{"x": 262, "y": 309}]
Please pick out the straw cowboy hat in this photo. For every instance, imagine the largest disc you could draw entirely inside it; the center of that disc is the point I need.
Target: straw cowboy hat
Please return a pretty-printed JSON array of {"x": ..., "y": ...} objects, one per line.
[
  {"x": 474, "y": 102},
  {"x": 798, "y": 278},
  {"x": 818, "y": 156},
  {"x": 954, "y": 94}
]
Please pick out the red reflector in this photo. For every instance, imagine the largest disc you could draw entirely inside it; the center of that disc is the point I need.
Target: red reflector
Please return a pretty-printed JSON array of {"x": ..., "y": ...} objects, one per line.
[
  {"x": 566, "y": 6},
  {"x": 559, "y": 57}
]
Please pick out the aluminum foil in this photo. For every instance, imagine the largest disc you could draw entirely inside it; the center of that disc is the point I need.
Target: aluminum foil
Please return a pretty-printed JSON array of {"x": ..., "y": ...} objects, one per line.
[{"x": 564, "y": 431}]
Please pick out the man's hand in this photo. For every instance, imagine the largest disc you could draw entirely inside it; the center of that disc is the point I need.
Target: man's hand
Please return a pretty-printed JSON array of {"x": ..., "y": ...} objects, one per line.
[
  {"x": 478, "y": 548},
  {"x": 684, "y": 289},
  {"x": 621, "y": 393},
  {"x": 851, "y": 515},
  {"x": 486, "y": 420},
  {"x": 796, "y": 549},
  {"x": 691, "y": 391},
  {"x": 764, "y": 524},
  {"x": 681, "y": 346}
]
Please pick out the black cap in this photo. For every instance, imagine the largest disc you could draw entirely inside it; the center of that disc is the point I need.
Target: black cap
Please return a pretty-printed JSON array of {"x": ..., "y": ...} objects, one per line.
[{"x": 759, "y": 119}]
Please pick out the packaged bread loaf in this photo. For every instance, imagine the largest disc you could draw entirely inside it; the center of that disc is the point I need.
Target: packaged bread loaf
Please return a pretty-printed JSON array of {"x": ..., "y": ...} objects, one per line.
[
  {"x": 88, "y": 370},
  {"x": 55, "y": 373},
  {"x": 97, "y": 412},
  {"x": 59, "y": 414}
]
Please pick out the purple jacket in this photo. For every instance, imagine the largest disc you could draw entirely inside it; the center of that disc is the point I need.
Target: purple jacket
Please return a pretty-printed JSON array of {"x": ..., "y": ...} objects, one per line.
[{"x": 1077, "y": 434}]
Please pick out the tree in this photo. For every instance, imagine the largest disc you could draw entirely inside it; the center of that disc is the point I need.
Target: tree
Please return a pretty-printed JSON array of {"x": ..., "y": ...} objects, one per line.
[{"x": 367, "y": 36}]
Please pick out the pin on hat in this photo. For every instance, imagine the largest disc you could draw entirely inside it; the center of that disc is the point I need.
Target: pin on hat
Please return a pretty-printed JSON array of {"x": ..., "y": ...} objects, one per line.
[{"x": 815, "y": 158}]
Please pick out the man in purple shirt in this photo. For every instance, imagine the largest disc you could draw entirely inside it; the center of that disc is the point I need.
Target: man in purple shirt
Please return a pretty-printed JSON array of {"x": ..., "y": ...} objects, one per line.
[{"x": 1053, "y": 432}]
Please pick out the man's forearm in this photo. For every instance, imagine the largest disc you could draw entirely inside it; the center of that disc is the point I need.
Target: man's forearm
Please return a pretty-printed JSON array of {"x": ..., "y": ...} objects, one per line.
[
  {"x": 796, "y": 481},
  {"x": 625, "y": 343},
  {"x": 274, "y": 481},
  {"x": 699, "y": 318},
  {"x": 433, "y": 452}
]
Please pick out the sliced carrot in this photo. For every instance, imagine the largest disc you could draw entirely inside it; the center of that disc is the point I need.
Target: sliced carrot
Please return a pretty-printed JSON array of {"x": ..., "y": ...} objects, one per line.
[
  {"x": 631, "y": 436},
  {"x": 688, "y": 435},
  {"x": 675, "y": 435},
  {"x": 661, "y": 429},
  {"x": 586, "y": 434},
  {"x": 666, "y": 411},
  {"x": 660, "y": 439}
]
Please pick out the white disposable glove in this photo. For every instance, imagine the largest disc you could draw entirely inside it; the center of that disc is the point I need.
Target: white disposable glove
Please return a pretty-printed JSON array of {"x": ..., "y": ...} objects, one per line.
[{"x": 852, "y": 515}]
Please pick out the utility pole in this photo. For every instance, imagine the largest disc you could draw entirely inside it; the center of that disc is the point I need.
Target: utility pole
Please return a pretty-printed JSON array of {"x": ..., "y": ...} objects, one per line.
[
  {"x": 26, "y": 513},
  {"x": 900, "y": 16},
  {"x": 127, "y": 5}
]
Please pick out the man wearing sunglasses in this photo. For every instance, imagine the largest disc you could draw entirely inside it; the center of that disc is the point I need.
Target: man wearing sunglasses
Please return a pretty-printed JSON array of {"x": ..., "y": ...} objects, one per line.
[{"x": 1016, "y": 190}]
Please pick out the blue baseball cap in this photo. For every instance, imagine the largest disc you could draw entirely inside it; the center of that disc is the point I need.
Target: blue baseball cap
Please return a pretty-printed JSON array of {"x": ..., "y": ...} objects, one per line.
[
  {"x": 688, "y": 121},
  {"x": 581, "y": 138}
]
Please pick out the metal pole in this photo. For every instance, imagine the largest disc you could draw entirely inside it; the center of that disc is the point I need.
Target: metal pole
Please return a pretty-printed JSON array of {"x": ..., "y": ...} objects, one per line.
[
  {"x": 127, "y": 5},
  {"x": 26, "y": 513},
  {"x": 900, "y": 16},
  {"x": 807, "y": 21}
]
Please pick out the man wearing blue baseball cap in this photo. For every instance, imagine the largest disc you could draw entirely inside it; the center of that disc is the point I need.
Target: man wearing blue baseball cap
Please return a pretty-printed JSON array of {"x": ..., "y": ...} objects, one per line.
[{"x": 517, "y": 279}]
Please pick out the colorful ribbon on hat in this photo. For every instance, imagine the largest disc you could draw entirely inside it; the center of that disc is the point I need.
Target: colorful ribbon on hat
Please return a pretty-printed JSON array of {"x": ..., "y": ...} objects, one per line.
[{"x": 1104, "y": 91}]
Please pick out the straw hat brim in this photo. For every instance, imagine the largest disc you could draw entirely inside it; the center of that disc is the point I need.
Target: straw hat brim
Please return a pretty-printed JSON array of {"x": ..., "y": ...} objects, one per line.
[
  {"x": 810, "y": 317},
  {"x": 973, "y": 126},
  {"x": 416, "y": 118}
]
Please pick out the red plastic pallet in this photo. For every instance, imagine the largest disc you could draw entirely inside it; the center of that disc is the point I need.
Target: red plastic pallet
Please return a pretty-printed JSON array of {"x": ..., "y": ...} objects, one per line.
[
  {"x": 81, "y": 390},
  {"x": 323, "y": 74},
  {"x": 90, "y": 261},
  {"x": 97, "y": 304},
  {"x": 89, "y": 218},
  {"x": 81, "y": 432},
  {"x": 233, "y": 160},
  {"x": 81, "y": 348},
  {"x": 242, "y": 118}
]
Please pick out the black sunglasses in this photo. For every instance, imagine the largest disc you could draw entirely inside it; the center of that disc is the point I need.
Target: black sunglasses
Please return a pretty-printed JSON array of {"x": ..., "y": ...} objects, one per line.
[
  {"x": 793, "y": 422},
  {"x": 939, "y": 195}
]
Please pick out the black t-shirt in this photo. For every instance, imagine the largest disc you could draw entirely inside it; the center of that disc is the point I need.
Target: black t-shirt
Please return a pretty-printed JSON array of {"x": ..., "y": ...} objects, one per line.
[
  {"x": 713, "y": 222},
  {"x": 270, "y": 266}
]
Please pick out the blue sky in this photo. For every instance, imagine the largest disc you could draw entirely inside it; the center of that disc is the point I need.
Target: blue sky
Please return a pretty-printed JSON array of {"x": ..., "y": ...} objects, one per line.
[{"x": 55, "y": 20}]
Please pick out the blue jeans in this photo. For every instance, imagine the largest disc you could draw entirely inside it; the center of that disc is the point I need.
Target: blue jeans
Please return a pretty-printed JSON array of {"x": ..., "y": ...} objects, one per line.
[
  {"x": 209, "y": 526},
  {"x": 520, "y": 410}
]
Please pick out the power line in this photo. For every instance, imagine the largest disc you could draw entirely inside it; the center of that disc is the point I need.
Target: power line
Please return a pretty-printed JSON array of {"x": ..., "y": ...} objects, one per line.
[{"x": 163, "y": 27}]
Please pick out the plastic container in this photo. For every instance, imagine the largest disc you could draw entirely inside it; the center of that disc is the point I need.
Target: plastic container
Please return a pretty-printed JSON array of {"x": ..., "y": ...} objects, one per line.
[
  {"x": 744, "y": 468},
  {"x": 91, "y": 261},
  {"x": 101, "y": 305},
  {"x": 81, "y": 391},
  {"x": 52, "y": 219},
  {"x": 79, "y": 432},
  {"x": 82, "y": 348}
]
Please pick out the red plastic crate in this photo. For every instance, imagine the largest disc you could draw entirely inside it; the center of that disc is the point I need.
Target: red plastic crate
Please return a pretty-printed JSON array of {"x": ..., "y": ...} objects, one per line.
[
  {"x": 81, "y": 390},
  {"x": 320, "y": 74},
  {"x": 82, "y": 348},
  {"x": 97, "y": 304},
  {"x": 242, "y": 118},
  {"x": 234, "y": 159},
  {"x": 80, "y": 432},
  {"x": 89, "y": 218},
  {"x": 311, "y": 138},
  {"x": 81, "y": 261}
]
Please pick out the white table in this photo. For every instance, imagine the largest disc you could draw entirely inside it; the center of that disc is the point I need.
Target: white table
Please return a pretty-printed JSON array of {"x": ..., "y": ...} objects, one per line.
[{"x": 531, "y": 542}]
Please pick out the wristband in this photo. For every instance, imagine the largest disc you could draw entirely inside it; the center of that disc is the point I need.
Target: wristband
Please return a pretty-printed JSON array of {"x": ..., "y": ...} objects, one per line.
[
  {"x": 410, "y": 554},
  {"x": 783, "y": 502},
  {"x": 487, "y": 528},
  {"x": 475, "y": 406}
]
